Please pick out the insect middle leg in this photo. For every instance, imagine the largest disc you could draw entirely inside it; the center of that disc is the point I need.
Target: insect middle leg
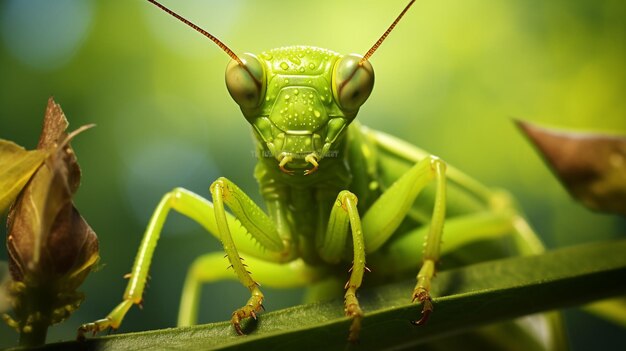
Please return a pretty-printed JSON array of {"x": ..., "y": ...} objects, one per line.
[
  {"x": 214, "y": 219},
  {"x": 331, "y": 249},
  {"x": 387, "y": 212}
]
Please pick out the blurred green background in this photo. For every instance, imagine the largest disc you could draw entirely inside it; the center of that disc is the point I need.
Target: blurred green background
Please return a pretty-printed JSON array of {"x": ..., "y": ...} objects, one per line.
[{"x": 449, "y": 79}]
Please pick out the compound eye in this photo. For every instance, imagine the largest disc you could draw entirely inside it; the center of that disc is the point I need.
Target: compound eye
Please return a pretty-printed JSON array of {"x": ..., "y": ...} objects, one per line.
[
  {"x": 352, "y": 82},
  {"x": 246, "y": 84}
]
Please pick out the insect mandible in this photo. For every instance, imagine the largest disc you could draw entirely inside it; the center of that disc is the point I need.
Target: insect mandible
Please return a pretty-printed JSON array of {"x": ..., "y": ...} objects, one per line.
[{"x": 334, "y": 192}]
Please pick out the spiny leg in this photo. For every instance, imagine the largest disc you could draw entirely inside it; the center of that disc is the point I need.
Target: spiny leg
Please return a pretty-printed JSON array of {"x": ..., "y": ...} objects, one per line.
[
  {"x": 331, "y": 249},
  {"x": 493, "y": 220},
  {"x": 196, "y": 208},
  {"x": 210, "y": 268},
  {"x": 184, "y": 202},
  {"x": 258, "y": 224},
  {"x": 400, "y": 256},
  {"x": 386, "y": 214},
  {"x": 495, "y": 223},
  {"x": 432, "y": 247},
  {"x": 491, "y": 200}
]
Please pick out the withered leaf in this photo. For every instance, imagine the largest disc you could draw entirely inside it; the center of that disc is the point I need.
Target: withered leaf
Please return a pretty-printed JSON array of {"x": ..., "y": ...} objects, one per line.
[
  {"x": 53, "y": 136},
  {"x": 591, "y": 166},
  {"x": 16, "y": 167},
  {"x": 47, "y": 237},
  {"x": 54, "y": 126},
  {"x": 51, "y": 247}
]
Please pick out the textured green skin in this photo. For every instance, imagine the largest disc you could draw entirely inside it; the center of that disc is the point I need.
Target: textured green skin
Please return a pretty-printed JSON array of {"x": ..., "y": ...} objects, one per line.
[
  {"x": 320, "y": 178},
  {"x": 307, "y": 218},
  {"x": 299, "y": 115}
]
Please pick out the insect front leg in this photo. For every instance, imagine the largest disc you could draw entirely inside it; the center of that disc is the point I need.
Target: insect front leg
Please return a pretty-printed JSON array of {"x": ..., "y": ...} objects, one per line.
[
  {"x": 203, "y": 212},
  {"x": 262, "y": 228},
  {"x": 388, "y": 211},
  {"x": 332, "y": 246}
]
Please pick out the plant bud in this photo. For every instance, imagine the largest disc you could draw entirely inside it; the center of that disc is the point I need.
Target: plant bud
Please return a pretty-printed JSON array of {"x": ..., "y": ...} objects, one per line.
[{"x": 51, "y": 247}]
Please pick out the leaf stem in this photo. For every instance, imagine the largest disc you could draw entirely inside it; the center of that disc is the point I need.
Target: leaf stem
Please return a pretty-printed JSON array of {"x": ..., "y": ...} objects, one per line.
[
  {"x": 36, "y": 334},
  {"x": 34, "y": 314}
]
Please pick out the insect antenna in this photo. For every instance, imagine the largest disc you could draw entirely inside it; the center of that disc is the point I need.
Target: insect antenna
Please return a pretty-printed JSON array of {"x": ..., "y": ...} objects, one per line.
[
  {"x": 219, "y": 43},
  {"x": 374, "y": 47}
]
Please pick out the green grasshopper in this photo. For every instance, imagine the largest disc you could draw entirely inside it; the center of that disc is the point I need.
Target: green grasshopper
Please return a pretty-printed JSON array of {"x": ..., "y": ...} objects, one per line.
[{"x": 334, "y": 191}]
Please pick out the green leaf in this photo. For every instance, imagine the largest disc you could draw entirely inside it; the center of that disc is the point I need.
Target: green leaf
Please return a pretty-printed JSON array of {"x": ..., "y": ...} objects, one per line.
[
  {"x": 612, "y": 309},
  {"x": 16, "y": 167},
  {"x": 591, "y": 166},
  {"x": 469, "y": 297}
]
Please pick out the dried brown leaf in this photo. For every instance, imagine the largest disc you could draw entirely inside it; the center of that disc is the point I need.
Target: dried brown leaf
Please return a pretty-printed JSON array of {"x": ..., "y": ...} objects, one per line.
[
  {"x": 591, "y": 166},
  {"x": 51, "y": 247},
  {"x": 47, "y": 236},
  {"x": 53, "y": 135}
]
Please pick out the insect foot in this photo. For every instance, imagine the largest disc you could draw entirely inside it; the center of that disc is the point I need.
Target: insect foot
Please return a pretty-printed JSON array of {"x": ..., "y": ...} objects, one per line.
[
  {"x": 422, "y": 295},
  {"x": 254, "y": 305},
  {"x": 94, "y": 328},
  {"x": 353, "y": 310},
  {"x": 112, "y": 321}
]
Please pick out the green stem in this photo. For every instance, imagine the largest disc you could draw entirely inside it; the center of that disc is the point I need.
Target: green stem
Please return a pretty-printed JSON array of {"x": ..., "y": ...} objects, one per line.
[
  {"x": 34, "y": 314},
  {"x": 36, "y": 335}
]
